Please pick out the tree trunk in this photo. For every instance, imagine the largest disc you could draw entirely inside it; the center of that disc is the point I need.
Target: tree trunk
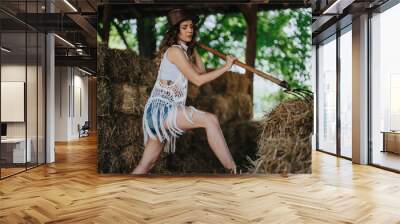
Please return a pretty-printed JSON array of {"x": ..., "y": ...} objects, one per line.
[
  {"x": 146, "y": 37},
  {"x": 106, "y": 22},
  {"x": 250, "y": 15}
]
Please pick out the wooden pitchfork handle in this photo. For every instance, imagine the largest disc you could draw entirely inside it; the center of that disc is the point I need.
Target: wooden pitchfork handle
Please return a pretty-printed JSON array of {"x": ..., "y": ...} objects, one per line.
[{"x": 268, "y": 76}]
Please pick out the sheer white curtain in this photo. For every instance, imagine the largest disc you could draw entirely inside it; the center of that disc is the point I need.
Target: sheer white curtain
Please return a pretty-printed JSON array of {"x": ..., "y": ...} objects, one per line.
[{"x": 327, "y": 96}]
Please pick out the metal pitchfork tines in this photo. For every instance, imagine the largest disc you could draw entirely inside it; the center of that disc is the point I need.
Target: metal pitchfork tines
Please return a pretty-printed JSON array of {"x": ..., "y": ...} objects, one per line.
[{"x": 297, "y": 92}]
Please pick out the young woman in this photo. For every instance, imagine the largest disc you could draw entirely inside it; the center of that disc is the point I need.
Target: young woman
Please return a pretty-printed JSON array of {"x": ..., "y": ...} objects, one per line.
[{"x": 165, "y": 114}]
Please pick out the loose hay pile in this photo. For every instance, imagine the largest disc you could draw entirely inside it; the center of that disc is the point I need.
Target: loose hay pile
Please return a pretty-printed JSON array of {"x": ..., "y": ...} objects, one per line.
[
  {"x": 285, "y": 141},
  {"x": 123, "y": 86}
]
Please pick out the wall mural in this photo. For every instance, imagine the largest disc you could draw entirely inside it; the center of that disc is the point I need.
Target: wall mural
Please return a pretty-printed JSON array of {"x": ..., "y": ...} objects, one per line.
[{"x": 168, "y": 103}]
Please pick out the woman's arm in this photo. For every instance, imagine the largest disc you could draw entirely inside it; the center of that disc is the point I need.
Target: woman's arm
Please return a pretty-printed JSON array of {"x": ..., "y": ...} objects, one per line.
[
  {"x": 198, "y": 66},
  {"x": 177, "y": 56}
]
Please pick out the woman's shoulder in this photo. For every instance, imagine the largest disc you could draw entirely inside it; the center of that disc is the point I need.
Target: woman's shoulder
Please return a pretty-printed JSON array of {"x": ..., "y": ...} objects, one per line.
[
  {"x": 174, "y": 51},
  {"x": 175, "y": 47}
]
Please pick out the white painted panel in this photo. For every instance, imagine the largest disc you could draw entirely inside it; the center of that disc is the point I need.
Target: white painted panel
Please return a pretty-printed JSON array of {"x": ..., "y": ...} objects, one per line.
[{"x": 12, "y": 101}]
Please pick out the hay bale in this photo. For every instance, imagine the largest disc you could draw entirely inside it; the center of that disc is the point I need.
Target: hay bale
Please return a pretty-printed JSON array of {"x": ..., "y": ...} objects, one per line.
[
  {"x": 148, "y": 73},
  {"x": 228, "y": 107},
  {"x": 127, "y": 129},
  {"x": 233, "y": 80},
  {"x": 241, "y": 138},
  {"x": 206, "y": 90},
  {"x": 193, "y": 92},
  {"x": 130, "y": 157},
  {"x": 244, "y": 106},
  {"x": 120, "y": 145},
  {"x": 101, "y": 55},
  {"x": 229, "y": 82},
  {"x": 244, "y": 85},
  {"x": 124, "y": 66},
  {"x": 285, "y": 142},
  {"x": 220, "y": 105},
  {"x": 130, "y": 99},
  {"x": 194, "y": 155},
  {"x": 219, "y": 85}
]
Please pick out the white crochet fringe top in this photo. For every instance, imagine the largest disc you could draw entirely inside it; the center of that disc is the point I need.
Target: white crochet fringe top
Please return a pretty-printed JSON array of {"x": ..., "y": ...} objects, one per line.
[{"x": 164, "y": 102}]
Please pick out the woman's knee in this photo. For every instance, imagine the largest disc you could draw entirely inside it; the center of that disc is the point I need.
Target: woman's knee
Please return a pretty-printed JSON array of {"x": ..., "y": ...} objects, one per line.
[
  {"x": 153, "y": 142},
  {"x": 211, "y": 119}
]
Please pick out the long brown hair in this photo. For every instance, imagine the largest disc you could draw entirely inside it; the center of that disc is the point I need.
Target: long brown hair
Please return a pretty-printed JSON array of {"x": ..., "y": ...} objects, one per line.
[{"x": 171, "y": 38}]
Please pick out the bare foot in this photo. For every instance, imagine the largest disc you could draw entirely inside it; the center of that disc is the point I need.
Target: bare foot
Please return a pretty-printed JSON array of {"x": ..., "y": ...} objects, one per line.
[
  {"x": 231, "y": 170},
  {"x": 138, "y": 170}
]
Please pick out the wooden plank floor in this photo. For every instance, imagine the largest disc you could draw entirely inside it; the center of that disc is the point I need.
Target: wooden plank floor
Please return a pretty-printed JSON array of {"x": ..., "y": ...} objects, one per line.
[
  {"x": 70, "y": 191},
  {"x": 10, "y": 171}
]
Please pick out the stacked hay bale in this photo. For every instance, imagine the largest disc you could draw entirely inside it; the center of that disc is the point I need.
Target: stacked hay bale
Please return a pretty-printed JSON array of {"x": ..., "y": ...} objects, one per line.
[
  {"x": 285, "y": 142},
  {"x": 227, "y": 97},
  {"x": 124, "y": 84},
  {"x": 195, "y": 156}
]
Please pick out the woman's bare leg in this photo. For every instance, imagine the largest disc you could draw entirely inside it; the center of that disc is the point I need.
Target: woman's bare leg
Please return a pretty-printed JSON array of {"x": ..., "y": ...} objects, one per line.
[
  {"x": 150, "y": 156},
  {"x": 215, "y": 139},
  {"x": 215, "y": 136}
]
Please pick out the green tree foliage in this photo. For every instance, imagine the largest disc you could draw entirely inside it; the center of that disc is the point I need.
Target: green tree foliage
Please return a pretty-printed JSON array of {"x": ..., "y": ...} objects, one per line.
[
  {"x": 161, "y": 29},
  {"x": 283, "y": 49},
  {"x": 283, "y": 40},
  {"x": 225, "y": 33},
  {"x": 120, "y": 30},
  {"x": 283, "y": 44}
]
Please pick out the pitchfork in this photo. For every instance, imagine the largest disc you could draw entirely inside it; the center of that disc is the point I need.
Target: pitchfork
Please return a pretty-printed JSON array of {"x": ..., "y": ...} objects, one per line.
[{"x": 297, "y": 92}]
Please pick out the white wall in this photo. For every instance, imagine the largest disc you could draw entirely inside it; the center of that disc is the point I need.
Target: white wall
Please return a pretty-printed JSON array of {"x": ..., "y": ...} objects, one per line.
[
  {"x": 71, "y": 94},
  {"x": 80, "y": 110},
  {"x": 61, "y": 103},
  {"x": 33, "y": 127},
  {"x": 314, "y": 89},
  {"x": 16, "y": 72}
]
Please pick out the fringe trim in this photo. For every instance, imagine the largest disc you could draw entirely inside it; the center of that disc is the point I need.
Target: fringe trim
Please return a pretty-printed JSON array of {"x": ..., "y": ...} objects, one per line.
[
  {"x": 159, "y": 111},
  {"x": 162, "y": 97}
]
